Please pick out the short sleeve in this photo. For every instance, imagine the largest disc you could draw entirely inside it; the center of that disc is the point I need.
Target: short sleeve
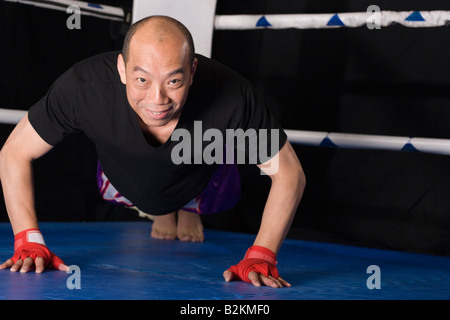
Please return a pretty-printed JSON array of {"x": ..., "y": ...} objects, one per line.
[
  {"x": 262, "y": 135},
  {"x": 53, "y": 116}
]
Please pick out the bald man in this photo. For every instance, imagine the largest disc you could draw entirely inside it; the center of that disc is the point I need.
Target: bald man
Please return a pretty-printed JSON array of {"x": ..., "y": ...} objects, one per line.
[{"x": 132, "y": 105}]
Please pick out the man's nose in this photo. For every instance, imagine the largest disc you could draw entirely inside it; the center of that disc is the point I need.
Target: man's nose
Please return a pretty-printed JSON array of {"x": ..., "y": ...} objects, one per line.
[{"x": 156, "y": 95}]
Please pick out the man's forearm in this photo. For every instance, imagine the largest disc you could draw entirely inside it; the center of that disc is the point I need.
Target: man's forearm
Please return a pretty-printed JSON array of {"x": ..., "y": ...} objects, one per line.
[
  {"x": 286, "y": 191},
  {"x": 17, "y": 183},
  {"x": 16, "y": 174},
  {"x": 282, "y": 202}
]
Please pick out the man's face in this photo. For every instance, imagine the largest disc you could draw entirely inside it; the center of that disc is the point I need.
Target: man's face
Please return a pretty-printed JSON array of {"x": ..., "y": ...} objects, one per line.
[{"x": 157, "y": 76}]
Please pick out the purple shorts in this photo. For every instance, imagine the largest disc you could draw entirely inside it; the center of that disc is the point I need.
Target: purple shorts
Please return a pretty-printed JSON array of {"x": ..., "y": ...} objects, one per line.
[{"x": 222, "y": 192}]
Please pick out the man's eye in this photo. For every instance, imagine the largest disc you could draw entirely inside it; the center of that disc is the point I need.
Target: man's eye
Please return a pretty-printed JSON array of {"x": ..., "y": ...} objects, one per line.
[
  {"x": 141, "y": 80},
  {"x": 175, "y": 82}
]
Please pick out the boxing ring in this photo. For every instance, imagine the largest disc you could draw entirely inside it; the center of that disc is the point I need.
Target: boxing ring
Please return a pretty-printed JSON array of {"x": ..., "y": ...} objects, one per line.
[{"x": 119, "y": 261}]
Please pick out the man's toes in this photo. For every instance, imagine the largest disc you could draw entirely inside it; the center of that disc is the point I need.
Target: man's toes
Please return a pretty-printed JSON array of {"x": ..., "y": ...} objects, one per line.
[
  {"x": 162, "y": 235},
  {"x": 184, "y": 238},
  {"x": 168, "y": 236},
  {"x": 191, "y": 237}
]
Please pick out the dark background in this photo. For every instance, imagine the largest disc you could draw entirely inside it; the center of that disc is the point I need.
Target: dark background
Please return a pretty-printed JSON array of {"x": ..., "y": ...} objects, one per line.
[{"x": 392, "y": 81}]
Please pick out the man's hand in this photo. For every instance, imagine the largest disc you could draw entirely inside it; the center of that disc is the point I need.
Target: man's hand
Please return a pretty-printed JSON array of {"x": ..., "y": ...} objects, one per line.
[
  {"x": 258, "y": 267},
  {"x": 30, "y": 252},
  {"x": 258, "y": 279},
  {"x": 29, "y": 264}
]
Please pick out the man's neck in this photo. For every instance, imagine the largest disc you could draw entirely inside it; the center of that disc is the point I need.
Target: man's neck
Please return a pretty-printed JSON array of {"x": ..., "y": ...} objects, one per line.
[{"x": 157, "y": 136}]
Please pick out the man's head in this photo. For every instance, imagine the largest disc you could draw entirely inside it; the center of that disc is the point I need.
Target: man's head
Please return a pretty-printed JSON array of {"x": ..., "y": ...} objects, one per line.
[{"x": 157, "y": 66}]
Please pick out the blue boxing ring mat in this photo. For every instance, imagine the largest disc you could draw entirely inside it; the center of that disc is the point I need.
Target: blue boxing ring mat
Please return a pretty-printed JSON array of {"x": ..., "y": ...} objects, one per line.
[{"x": 120, "y": 261}]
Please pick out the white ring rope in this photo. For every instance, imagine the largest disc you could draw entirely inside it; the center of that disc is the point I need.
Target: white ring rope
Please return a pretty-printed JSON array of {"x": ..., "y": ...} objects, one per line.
[
  {"x": 365, "y": 141},
  {"x": 9, "y": 116},
  {"x": 413, "y": 19}
]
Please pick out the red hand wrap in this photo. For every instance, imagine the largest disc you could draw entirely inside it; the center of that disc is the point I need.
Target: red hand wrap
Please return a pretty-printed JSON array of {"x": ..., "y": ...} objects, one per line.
[
  {"x": 258, "y": 259},
  {"x": 30, "y": 243}
]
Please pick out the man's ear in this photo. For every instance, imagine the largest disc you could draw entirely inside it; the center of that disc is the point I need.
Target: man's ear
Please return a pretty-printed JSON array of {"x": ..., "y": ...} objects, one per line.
[{"x": 121, "y": 68}]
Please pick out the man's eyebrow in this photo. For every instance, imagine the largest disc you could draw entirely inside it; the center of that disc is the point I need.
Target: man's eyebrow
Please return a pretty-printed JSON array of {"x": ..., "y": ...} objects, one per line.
[
  {"x": 179, "y": 70},
  {"x": 172, "y": 73},
  {"x": 137, "y": 68}
]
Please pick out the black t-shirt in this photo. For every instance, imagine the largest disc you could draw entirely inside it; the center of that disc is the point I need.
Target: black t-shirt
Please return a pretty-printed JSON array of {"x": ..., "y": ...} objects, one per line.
[{"x": 90, "y": 98}]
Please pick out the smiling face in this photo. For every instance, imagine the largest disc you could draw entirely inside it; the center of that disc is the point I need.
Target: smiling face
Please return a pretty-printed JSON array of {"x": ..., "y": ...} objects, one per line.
[{"x": 157, "y": 75}]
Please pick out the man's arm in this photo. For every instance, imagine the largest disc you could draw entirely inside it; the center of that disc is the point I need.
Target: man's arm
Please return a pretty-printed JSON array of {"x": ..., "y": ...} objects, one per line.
[
  {"x": 288, "y": 184},
  {"x": 284, "y": 197},
  {"x": 23, "y": 146}
]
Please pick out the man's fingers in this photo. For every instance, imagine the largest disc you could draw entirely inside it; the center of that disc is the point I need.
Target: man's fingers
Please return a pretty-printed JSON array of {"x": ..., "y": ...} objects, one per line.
[
  {"x": 284, "y": 282},
  {"x": 228, "y": 275},
  {"x": 259, "y": 279},
  {"x": 27, "y": 264},
  {"x": 16, "y": 266},
  {"x": 254, "y": 278},
  {"x": 7, "y": 264},
  {"x": 63, "y": 267},
  {"x": 271, "y": 282},
  {"x": 39, "y": 265}
]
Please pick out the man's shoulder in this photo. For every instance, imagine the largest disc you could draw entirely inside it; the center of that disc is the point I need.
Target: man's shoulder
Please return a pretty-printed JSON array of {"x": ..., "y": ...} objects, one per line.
[
  {"x": 213, "y": 73},
  {"x": 211, "y": 65},
  {"x": 101, "y": 67}
]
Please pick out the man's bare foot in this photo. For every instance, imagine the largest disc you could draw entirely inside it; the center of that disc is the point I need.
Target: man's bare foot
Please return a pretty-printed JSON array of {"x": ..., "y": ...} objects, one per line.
[
  {"x": 189, "y": 227},
  {"x": 165, "y": 227}
]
